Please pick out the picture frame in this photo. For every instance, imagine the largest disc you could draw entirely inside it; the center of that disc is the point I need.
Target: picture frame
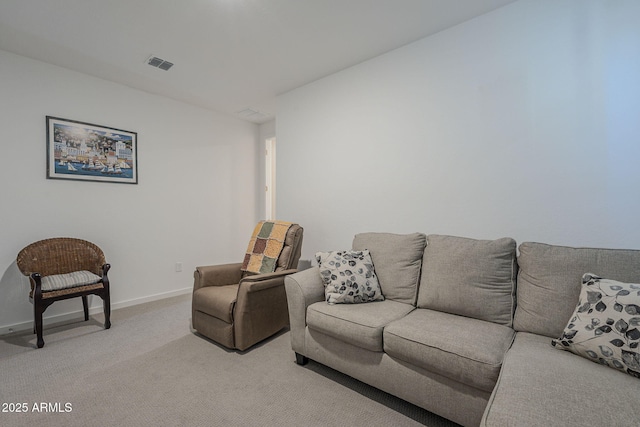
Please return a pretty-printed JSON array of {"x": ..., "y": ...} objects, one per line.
[{"x": 82, "y": 151}]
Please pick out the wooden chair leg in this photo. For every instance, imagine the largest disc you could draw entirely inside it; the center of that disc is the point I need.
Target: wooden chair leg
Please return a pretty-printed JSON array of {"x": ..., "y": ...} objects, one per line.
[
  {"x": 85, "y": 305},
  {"x": 107, "y": 311},
  {"x": 38, "y": 310}
]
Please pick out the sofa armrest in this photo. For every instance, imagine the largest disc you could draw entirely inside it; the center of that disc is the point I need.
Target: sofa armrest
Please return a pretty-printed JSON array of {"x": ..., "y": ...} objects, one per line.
[
  {"x": 217, "y": 275},
  {"x": 303, "y": 289}
]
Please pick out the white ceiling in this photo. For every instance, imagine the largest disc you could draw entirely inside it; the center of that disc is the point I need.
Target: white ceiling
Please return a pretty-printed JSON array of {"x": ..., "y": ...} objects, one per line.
[{"x": 229, "y": 55}]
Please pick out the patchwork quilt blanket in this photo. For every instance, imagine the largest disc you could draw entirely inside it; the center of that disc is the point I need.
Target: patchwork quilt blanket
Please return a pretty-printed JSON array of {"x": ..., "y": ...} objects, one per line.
[{"x": 265, "y": 246}]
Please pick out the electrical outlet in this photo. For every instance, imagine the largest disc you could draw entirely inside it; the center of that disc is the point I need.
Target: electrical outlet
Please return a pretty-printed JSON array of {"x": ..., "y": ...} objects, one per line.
[{"x": 178, "y": 267}]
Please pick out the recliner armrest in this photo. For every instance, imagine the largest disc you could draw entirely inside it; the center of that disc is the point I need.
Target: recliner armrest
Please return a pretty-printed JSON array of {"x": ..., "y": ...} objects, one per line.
[
  {"x": 217, "y": 275},
  {"x": 261, "y": 307},
  {"x": 258, "y": 282}
]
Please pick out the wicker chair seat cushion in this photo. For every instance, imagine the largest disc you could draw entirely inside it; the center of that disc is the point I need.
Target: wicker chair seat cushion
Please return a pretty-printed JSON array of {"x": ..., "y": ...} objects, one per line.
[{"x": 70, "y": 280}]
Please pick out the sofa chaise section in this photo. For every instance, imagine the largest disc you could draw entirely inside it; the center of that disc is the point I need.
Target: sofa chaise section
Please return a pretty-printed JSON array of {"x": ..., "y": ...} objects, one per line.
[{"x": 540, "y": 386}]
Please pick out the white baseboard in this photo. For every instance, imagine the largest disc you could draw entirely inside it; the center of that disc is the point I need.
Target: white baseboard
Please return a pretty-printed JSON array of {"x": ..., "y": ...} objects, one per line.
[
  {"x": 59, "y": 318},
  {"x": 150, "y": 298}
]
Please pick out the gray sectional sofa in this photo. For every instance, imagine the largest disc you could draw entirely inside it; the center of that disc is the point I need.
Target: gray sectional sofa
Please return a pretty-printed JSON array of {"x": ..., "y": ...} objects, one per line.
[{"x": 466, "y": 329}]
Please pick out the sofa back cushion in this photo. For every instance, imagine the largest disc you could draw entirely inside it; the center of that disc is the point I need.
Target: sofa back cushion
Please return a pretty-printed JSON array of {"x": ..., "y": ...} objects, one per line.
[
  {"x": 550, "y": 279},
  {"x": 468, "y": 277},
  {"x": 396, "y": 259}
]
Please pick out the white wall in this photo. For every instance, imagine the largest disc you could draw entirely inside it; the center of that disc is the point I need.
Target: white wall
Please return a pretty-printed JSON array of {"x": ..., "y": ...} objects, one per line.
[
  {"x": 524, "y": 122},
  {"x": 197, "y": 190}
]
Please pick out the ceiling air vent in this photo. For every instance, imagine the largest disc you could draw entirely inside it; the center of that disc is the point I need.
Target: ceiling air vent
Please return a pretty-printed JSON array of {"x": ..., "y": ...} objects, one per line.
[
  {"x": 250, "y": 113},
  {"x": 154, "y": 61}
]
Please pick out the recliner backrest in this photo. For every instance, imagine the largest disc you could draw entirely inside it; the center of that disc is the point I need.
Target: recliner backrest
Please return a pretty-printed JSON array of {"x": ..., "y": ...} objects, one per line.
[{"x": 292, "y": 249}]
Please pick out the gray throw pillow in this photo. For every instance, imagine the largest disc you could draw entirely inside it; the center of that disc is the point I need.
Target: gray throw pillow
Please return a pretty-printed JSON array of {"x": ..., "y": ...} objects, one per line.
[
  {"x": 468, "y": 277},
  {"x": 605, "y": 326},
  {"x": 349, "y": 277}
]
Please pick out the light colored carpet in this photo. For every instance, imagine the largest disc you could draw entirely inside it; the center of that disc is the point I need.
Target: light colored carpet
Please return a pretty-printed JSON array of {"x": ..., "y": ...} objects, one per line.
[{"x": 150, "y": 369}]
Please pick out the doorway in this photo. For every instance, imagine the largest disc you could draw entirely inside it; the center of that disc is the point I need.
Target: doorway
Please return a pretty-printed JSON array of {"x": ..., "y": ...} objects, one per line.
[{"x": 270, "y": 179}]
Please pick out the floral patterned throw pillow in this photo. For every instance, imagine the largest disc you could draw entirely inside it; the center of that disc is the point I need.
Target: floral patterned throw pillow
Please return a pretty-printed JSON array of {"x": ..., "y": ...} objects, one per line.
[
  {"x": 348, "y": 277},
  {"x": 605, "y": 327}
]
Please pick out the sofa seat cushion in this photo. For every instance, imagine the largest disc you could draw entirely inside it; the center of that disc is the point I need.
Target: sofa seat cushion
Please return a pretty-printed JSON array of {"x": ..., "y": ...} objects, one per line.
[
  {"x": 359, "y": 324},
  {"x": 460, "y": 348},
  {"x": 216, "y": 301},
  {"x": 541, "y": 386}
]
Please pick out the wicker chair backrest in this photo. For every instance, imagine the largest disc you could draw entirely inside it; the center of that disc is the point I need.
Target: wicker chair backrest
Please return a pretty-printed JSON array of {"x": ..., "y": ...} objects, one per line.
[{"x": 60, "y": 255}]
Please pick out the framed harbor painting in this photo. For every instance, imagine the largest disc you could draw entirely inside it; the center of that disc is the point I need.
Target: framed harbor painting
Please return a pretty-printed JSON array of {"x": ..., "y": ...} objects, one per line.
[{"x": 88, "y": 152}]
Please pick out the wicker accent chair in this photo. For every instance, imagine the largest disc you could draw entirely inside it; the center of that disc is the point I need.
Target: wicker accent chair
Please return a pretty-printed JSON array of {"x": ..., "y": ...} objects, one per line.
[
  {"x": 238, "y": 309},
  {"x": 63, "y": 268}
]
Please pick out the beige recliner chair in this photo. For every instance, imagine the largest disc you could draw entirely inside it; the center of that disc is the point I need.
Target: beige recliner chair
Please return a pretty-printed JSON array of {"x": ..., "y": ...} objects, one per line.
[{"x": 239, "y": 308}]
